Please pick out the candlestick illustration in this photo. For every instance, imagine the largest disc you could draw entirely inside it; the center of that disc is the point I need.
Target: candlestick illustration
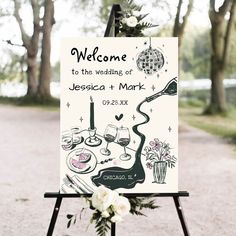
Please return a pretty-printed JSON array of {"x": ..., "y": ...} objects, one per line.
[
  {"x": 92, "y": 140},
  {"x": 91, "y": 113}
]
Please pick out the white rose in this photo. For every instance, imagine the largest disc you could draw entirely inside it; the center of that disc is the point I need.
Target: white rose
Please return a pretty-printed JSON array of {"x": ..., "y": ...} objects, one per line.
[
  {"x": 132, "y": 21},
  {"x": 124, "y": 20},
  {"x": 105, "y": 214},
  {"x": 121, "y": 206},
  {"x": 116, "y": 218},
  {"x": 103, "y": 198}
]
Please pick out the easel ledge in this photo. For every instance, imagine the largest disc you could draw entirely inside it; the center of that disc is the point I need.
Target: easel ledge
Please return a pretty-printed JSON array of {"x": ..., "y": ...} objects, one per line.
[
  {"x": 128, "y": 195},
  {"x": 59, "y": 196}
]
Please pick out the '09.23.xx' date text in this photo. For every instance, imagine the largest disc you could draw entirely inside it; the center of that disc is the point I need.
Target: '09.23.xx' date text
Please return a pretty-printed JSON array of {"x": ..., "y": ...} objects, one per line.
[{"x": 115, "y": 102}]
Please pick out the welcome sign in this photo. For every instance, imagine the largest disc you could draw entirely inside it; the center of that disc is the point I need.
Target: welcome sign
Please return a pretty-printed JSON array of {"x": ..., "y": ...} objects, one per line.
[{"x": 119, "y": 114}]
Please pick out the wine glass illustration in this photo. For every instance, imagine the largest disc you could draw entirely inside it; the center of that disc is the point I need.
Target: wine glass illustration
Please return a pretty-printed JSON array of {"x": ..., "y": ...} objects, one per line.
[
  {"x": 123, "y": 138},
  {"x": 110, "y": 136}
]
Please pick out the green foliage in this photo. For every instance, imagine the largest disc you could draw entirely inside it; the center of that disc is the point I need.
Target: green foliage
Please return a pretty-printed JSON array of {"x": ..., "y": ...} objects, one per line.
[
  {"x": 34, "y": 101},
  {"x": 195, "y": 53},
  {"x": 130, "y": 9},
  {"x": 191, "y": 102},
  {"x": 56, "y": 72},
  {"x": 186, "y": 75},
  {"x": 71, "y": 220},
  {"x": 140, "y": 203},
  {"x": 105, "y": 8},
  {"x": 11, "y": 69},
  {"x": 129, "y": 5},
  {"x": 101, "y": 224},
  {"x": 223, "y": 126}
]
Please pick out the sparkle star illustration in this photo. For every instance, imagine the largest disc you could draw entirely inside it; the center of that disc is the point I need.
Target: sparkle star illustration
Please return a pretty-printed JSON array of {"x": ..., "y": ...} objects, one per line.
[
  {"x": 81, "y": 119},
  {"x": 68, "y": 104},
  {"x": 134, "y": 117},
  {"x": 111, "y": 87},
  {"x": 153, "y": 87},
  {"x": 169, "y": 129}
]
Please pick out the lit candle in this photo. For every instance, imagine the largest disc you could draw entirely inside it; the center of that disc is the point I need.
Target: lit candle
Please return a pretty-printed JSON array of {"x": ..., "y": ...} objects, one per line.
[{"x": 91, "y": 113}]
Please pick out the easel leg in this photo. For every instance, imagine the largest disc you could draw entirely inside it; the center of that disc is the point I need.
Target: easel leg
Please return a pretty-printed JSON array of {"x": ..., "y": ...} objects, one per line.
[
  {"x": 181, "y": 216},
  {"x": 54, "y": 216},
  {"x": 113, "y": 229}
]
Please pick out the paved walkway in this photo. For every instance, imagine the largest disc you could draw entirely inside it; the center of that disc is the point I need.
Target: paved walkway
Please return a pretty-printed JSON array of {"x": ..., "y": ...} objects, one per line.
[{"x": 30, "y": 166}]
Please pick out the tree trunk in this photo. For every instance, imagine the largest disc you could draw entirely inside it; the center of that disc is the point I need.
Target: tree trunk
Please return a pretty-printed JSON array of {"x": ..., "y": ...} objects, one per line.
[
  {"x": 45, "y": 66},
  {"x": 218, "y": 100},
  {"x": 220, "y": 41},
  {"x": 180, "y": 22},
  {"x": 31, "y": 75},
  {"x": 30, "y": 43}
]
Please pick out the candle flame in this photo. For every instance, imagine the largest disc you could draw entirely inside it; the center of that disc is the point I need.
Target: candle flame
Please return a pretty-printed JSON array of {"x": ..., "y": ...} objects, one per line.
[{"x": 91, "y": 99}]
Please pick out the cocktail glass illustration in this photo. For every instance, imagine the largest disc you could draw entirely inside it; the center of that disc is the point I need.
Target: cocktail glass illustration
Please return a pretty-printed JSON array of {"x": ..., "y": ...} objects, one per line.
[
  {"x": 66, "y": 140},
  {"x": 76, "y": 136},
  {"x": 123, "y": 138},
  {"x": 110, "y": 136}
]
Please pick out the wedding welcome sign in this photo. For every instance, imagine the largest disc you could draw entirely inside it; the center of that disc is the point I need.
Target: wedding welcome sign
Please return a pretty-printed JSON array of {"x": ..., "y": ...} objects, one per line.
[{"x": 119, "y": 115}]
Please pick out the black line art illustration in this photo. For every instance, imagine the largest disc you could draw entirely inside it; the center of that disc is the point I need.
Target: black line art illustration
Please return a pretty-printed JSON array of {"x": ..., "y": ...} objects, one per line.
[
  {"x": 81, "y": 161},
  {"x": 75, "y": 183},
  {"x": 150, "y": 60},
  {"x": 117, "y": 177},
  {"x": 159, "y": 158},
  {"x": 92, "y": 140},
  {"x": 119, "y": 117},
  {"x": 109, "y": 136},
  {"x": 123, "y": 138},
  {"x": 71, "y": 138}
]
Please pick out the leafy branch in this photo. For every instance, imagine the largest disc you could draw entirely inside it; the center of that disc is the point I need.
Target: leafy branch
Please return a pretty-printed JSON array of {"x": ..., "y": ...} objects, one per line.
[
  {"x": 130, "y": 23},
  {"x": 71, "y": 219},
  {"x": 138, "y": 204}
]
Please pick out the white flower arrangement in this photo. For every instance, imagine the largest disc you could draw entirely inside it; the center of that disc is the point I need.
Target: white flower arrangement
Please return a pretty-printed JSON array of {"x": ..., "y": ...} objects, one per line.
[
  {"x": 110, "y": 204},
  {"x": 110, "y": 207},
  {"x": 131, "y": 20}
]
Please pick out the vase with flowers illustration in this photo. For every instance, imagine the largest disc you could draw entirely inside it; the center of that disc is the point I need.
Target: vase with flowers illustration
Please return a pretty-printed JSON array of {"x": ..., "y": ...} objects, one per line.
[{"x": 159, "y": 159}]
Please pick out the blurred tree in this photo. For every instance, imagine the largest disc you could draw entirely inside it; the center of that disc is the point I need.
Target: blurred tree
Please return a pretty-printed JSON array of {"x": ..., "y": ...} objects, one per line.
[
  {"x": 10, "y": 70},
  {"x": 37, "y": 86},
  {"x": 30, "y": 43},
  {"x": 201, "y": 54},
  {"x": 221, "y": 32},
  {"x": 45, "y": 66},
  {"x": 195, "y": 53},
  {"x": 181, "y": 21}
]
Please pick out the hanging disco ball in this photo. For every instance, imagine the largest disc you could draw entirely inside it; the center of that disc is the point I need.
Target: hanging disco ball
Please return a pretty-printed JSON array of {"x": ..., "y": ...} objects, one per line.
[{"x": 150, "y": 61}]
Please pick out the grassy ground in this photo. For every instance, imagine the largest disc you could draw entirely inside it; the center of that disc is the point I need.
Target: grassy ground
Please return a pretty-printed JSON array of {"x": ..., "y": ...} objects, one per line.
[
  {"x": 223, "y": 126},
  {"x": 50, "y": 104}
]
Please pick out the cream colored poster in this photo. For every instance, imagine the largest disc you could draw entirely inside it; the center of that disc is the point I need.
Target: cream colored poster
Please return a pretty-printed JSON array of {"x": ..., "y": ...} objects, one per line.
[{"x": 119, "y": 115}]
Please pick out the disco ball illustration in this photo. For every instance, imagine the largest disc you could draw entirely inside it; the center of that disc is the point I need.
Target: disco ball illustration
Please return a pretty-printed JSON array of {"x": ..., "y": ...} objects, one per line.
[{"x": 150, "y": 61}]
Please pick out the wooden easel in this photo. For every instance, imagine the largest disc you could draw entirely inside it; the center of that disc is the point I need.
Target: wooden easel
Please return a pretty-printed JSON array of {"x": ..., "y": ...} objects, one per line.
[
  {"x": 60, "y": 196},
  {"x": 114, "y": 18}
]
